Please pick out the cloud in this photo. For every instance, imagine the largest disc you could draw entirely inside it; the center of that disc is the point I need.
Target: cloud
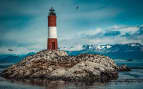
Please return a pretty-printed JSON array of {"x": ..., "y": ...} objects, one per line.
[
  {"x": 140, "y": 31},
  {"x": 120, "y": 34},
  {"x": 114, "y": 35},
  {"x": 23, "y": 23}
]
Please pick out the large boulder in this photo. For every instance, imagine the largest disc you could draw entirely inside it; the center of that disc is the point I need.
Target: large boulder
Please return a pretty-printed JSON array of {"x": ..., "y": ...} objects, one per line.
[{"x": 57, "y": 64}]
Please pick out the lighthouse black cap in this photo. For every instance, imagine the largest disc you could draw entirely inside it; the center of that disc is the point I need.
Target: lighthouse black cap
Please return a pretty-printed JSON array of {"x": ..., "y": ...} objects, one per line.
[
  {"x": 52, "y": 12},
  {"x": 52, "y": 18}
]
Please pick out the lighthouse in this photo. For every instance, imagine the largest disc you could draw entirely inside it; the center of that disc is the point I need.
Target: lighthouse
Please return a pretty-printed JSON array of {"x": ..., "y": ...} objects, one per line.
[{"x": 52, "y": 31}]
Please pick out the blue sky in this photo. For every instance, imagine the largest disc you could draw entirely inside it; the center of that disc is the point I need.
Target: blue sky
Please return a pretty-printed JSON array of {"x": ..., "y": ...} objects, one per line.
[{"x": 23, "y": 23}]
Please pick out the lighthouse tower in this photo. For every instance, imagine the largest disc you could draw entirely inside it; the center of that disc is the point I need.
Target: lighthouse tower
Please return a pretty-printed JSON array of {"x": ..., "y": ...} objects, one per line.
[{"x": 52, "y": 31}]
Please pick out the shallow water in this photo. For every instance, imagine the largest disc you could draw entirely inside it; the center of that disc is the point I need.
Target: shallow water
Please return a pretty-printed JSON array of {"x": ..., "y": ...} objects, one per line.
[{"x": 126, "y": 80}]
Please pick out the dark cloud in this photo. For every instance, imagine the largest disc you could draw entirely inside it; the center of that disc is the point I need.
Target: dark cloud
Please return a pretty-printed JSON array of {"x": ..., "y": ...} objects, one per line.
[
  {"x": 138, "y": 35},
  {"x": 126, "y": 35},
  {"x": 101, "y": 35},
  {"x": 123, "y": 34},
  {"x": 112, "y": 33},
  {"x": 140, "y": 31}
]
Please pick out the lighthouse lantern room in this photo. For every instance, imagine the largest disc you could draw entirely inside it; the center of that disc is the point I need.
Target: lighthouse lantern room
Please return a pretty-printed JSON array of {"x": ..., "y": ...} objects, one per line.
[{"x": 52, "y": 31}]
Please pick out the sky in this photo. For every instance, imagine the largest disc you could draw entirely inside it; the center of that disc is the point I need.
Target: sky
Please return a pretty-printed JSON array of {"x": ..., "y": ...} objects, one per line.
[{"x": 24, "y": 23}]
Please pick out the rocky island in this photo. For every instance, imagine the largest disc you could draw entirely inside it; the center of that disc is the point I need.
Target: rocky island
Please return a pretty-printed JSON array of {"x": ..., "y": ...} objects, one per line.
[{"x": 58, "y": 65}]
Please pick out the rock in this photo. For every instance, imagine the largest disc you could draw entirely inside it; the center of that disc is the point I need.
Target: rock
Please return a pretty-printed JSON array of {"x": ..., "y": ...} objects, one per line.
[
  {"x": 123, "y": 68},
  {"x": 57, "y": 65},
  {"x": 106, "y": 76},
  {"x": 58, "y": 72}
]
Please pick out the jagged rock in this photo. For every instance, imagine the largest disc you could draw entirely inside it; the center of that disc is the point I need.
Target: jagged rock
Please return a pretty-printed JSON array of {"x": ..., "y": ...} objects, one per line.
[
  {"x": 56, "y": 64},
  {"x": 123, "y": 68}
]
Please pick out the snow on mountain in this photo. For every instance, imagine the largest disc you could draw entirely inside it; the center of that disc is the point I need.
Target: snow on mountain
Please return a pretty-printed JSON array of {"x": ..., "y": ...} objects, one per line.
[
  {"x": 135, "y": 44},
  {"x": 123, "y": 51},
  {"x": 96, "y": 47},
  {"x": 116, "y": 51}
]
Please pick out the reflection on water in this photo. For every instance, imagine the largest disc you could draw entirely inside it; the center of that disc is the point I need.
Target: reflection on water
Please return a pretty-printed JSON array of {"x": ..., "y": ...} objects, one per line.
[
  {"x": 45, "y": 84},
  {"x": 60, "y": 84}
]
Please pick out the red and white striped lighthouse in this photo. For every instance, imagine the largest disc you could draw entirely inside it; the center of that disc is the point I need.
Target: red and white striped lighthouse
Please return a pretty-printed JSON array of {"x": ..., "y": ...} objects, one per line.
[{"x": 52, "y": 31}]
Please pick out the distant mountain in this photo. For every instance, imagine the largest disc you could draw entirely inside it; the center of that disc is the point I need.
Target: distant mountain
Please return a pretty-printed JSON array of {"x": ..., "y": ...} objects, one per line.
[
  {"x": 126, "y": 51},
  {"x": 117, "y": 51},
  {"x": 11, "y": 58}
]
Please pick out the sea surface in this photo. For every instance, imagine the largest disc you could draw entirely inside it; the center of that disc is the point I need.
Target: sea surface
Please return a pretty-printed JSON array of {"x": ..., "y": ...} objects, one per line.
[{"x": 126, "y": 80}]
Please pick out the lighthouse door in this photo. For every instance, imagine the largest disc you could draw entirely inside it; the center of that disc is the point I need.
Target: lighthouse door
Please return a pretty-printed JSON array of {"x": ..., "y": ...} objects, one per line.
[{"x": 53, "y": 45}]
